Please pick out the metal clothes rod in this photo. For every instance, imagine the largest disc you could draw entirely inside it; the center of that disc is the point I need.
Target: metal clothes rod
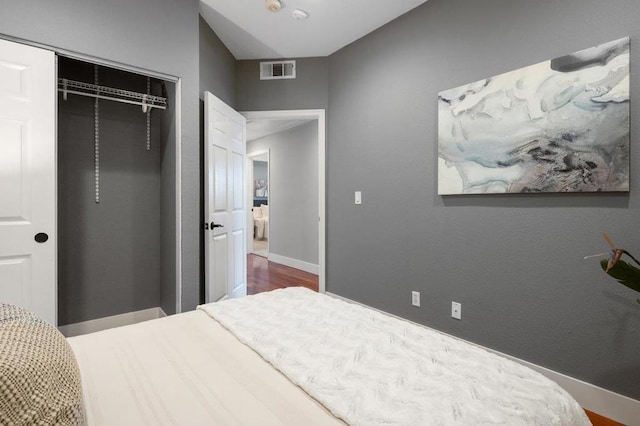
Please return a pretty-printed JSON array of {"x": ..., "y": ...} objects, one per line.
[{"x": 112, "y": 94}]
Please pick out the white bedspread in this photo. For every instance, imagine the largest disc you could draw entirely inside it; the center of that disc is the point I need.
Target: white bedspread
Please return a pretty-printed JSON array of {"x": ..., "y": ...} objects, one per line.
[{"x": 372, "y": 369}]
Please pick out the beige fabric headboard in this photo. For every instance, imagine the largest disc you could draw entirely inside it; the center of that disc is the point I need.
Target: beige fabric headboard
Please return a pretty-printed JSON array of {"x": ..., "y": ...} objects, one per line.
[{"x": 39, "y": 376}]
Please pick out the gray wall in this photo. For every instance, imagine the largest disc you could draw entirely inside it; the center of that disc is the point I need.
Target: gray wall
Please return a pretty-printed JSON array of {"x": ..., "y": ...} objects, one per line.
[
  {"x": 309, "y": 90},
  {"x": 158, "y": 35},
  {"x": 217, "y": 66},
  {"x": 514, "y": 261},
  {"x": 108, "y": 253},
  {"x": 260, "y": 171},
  {"x": 293, "y": 191},
  {"x": 168, "y": 223},
  {"x": 217, "y": 75}
]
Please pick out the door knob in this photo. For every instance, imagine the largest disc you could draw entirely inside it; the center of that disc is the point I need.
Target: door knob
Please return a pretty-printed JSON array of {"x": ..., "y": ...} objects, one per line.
[
  {"x": 216, "y": 225},
  {"x": 41, "y": 237}
]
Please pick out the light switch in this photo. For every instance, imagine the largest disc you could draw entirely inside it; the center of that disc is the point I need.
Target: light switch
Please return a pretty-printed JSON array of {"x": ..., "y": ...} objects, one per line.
[{"x": 358, "y": 197}]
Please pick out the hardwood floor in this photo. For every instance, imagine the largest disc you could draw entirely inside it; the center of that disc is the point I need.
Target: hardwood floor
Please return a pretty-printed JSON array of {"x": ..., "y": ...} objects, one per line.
[
  {"x": 598, "y": 420},
  {"x": 263, "y": 275}
]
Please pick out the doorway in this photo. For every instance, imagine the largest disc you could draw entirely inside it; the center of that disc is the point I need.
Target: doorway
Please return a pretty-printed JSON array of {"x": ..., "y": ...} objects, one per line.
[
  {"x": 276, "y": 222},
  {"x": 258, "y": 186}
]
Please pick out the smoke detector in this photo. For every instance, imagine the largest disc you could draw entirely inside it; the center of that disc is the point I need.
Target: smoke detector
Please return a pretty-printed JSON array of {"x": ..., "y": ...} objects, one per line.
[
  {"x": 299, "y": 15},
  {"x": 273, "y": 5}
]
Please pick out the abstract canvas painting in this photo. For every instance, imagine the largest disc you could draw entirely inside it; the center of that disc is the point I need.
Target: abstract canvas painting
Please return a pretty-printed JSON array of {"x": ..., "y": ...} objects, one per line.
[{"x": 557, "y": 126}]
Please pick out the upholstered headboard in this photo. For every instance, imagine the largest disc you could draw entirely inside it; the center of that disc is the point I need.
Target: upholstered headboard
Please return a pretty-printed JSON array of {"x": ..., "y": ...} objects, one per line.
[{"x": 39, "y": 376}]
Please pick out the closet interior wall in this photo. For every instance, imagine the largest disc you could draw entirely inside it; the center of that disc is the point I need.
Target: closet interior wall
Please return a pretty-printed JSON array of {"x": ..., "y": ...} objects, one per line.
[
  {"x": 168, "y": 202},
  {"x": 113, "y": 255}
]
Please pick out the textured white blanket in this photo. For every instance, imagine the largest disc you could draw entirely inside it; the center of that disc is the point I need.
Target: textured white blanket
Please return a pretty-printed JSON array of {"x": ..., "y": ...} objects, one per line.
[{"x": 368, "y": 368}]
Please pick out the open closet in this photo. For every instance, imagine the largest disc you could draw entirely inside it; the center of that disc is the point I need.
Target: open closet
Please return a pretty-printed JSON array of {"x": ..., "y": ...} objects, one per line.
[{"x": 116, "y": 192}]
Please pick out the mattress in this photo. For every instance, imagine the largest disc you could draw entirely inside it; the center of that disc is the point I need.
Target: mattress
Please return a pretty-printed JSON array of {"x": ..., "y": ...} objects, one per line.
[{"x": 185, "y": 369}]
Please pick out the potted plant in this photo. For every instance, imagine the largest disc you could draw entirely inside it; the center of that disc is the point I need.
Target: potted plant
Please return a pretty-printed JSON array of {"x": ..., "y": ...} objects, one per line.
[{"x": 626, "y": 274}]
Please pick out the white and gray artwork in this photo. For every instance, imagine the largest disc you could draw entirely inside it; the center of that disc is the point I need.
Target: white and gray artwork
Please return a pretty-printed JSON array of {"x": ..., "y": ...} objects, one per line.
[
  {"x": 557, "y": 126},
  {"x": 261, "y": 187}
]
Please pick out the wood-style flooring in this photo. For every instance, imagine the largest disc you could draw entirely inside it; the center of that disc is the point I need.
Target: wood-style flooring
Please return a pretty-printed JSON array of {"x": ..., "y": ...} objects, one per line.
[
  {"x": 598, "y": 420},
  {"x": 263, "y": 275}
]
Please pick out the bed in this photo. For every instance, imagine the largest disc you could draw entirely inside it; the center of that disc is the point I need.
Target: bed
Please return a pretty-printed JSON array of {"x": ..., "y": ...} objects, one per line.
[{"x": 295, "y": 357}]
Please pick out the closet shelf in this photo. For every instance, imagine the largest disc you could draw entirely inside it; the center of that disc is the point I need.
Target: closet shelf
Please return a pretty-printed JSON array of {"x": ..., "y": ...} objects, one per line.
[{"x": 110, "y": 93}]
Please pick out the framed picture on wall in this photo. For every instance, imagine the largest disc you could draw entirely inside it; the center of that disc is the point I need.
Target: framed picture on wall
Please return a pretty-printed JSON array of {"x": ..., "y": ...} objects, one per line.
[{"x": 557, "y": 126}]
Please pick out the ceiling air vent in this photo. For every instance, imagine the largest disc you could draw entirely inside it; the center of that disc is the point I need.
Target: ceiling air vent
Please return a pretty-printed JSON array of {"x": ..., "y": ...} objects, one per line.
[{"x": 277, "y": 70}]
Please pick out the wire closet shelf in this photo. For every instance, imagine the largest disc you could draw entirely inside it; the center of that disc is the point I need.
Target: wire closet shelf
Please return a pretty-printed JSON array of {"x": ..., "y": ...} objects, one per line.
[{"x": 110, "y": 93}]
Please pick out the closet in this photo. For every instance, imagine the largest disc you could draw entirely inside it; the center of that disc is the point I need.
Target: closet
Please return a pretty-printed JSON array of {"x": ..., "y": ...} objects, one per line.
[
  {"x": 116, "y": 183},
  {"x": 88, "y": 181}
]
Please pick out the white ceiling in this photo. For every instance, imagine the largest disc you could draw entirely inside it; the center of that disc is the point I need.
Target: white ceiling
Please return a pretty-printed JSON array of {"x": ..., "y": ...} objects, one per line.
[
  {"x": 260, "y": 128},
  {"x": 250, "y": 31}
]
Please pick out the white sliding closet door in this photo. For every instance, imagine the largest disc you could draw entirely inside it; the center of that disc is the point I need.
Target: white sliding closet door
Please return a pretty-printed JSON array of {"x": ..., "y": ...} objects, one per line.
[
  {"x": 225, "y": 228},
  {"x": 27, "y": 178}
]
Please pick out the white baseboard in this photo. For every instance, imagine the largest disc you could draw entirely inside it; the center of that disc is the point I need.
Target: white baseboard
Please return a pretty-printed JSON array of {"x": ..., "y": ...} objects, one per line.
[
  {"x": 599, "y": 400},
  {"x": 105, "y": 323},
  {"x": 294, "y": 263}
]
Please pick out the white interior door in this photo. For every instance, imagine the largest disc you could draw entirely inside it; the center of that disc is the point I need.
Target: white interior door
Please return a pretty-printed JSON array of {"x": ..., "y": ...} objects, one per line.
[
  {"x": 225, "y": 227},
  {"x": 28, "y": 179}
]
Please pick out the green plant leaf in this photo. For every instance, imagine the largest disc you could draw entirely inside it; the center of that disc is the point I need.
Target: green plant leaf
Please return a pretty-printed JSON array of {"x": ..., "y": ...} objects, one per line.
[{"x": 626, "y": 274}]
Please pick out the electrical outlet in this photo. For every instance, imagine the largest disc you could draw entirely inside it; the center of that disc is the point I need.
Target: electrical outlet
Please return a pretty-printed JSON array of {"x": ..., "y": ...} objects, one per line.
[
  {"x": 456, "y": 310},
  {"x": 415, "y": 298}
]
